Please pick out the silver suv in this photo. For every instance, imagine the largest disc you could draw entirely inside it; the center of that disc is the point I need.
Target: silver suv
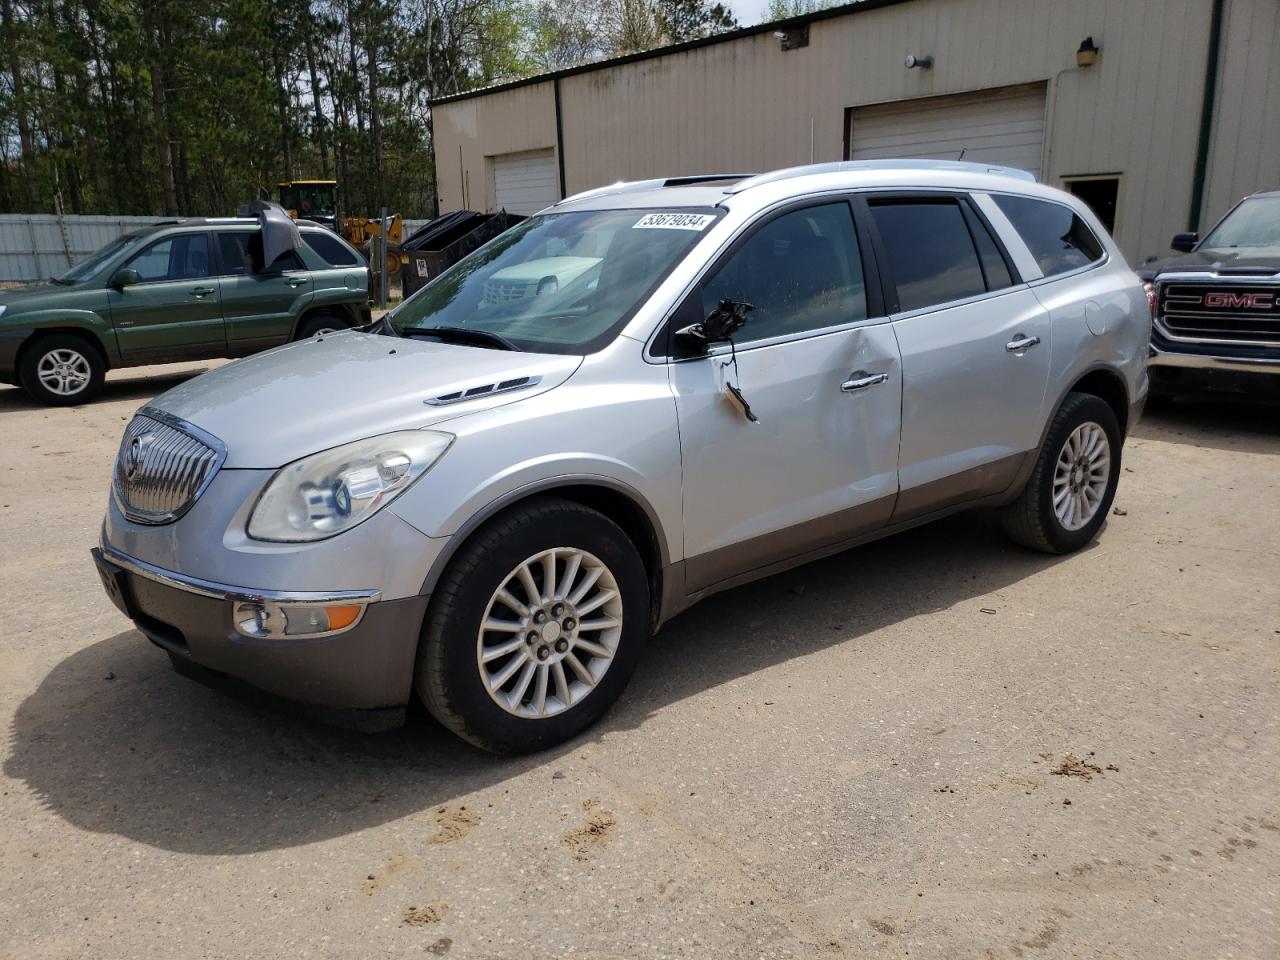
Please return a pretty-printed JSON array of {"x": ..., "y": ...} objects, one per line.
[{"x": 494, "y": 499}]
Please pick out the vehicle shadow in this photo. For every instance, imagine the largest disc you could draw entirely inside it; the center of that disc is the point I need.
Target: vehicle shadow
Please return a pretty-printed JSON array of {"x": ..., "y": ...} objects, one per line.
[
  {"x": 114, "y": 741},
  {"x": 116, "y": 388},
  {"x": 1219, "y": 423}
]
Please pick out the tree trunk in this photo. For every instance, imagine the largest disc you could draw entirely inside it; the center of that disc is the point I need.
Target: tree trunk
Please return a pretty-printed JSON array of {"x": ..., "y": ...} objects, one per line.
[
  {"x": 26, "y": 140},
  {"x": 321, "y": 141},
  {"x": 160, "y": 105},
  {"x": 282, "y": 109},
  {"x": 375, "y": 126}
]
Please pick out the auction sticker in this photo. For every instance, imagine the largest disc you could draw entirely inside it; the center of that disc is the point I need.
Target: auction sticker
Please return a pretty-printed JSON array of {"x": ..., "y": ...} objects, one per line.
[{"x": 673, "y": 221}]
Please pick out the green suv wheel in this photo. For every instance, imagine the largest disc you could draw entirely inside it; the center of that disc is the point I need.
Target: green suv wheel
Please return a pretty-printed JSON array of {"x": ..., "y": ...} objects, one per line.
[
  {"x": 62, "y": 370},
  {"x": 319, "y": 323}
]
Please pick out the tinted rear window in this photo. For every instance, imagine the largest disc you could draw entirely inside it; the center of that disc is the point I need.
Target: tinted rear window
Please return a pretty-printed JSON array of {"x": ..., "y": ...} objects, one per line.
[
  {"x": 931, "y": 254},
  {"x": 332, "y": 250},
  {"x": 993, "y": 265},
  {"x": 241, "y": 255},
  {"x": 1058, "y": 239}
]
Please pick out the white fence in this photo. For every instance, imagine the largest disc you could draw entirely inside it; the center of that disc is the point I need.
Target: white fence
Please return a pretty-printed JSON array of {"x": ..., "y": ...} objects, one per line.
[{"x": 37, "y": 246}]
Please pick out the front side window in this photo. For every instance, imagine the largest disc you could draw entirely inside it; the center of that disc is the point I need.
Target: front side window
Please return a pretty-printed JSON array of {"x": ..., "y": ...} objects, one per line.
[
  {"x": 931, "y": 254},
  {"x": 561, "y": 282},
  {"x": 800, "y": 271},
  {"x": 184, "y": 257},
  {"x": 87, "y": 269},
  {"x": 1254, "y": 223},
  {"x": 1058, "y": 239}
]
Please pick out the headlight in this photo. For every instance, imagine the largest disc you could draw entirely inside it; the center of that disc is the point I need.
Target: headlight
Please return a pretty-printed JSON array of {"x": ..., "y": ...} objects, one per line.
[
  {"x": 3, "y": 307},
  {"x": 332, "y": 491}
]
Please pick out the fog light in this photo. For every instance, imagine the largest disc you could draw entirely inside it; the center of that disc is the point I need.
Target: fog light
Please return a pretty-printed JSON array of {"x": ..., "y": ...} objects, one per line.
[{"x": 274, "y": 621}]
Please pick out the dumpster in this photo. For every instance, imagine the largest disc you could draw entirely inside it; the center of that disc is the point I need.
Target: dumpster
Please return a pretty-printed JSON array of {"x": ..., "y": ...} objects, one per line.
[{"x": 446, "y": 240}]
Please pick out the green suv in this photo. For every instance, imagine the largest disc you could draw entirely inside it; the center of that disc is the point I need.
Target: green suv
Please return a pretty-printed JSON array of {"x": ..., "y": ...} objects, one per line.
[{"x": 187, "y": 290}]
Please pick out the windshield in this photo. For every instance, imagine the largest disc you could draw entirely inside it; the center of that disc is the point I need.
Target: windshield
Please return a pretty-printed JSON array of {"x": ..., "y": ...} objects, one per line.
[
  {"x": 87, "y": 269},
  {"x": 1254, "y": 223},
  {"x": 559, "y": 283},
  {"x": 308, "y": 199}
]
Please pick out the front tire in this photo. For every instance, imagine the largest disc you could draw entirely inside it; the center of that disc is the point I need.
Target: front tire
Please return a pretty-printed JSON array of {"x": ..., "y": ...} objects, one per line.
[
  {"x": 535, "y": 627},
  {"x": 1069, "y": 493},
  {"x": 318, "y": 324},
  {"x": 62, "y": 370}
]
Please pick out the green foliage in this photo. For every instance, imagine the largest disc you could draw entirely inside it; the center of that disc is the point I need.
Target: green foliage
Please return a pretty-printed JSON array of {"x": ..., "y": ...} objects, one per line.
[
  {"x": 782, "y": 9},
  {"x": 174, "y": 106}
]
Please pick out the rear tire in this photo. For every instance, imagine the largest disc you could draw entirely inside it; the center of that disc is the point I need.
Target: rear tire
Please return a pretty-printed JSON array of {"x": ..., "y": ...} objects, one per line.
[
  {"x": 319, "y": 323},
  {"x": 61, "y": 370},
  {"x": 1067, "y": 498},
  {"x": 526, "y": 673}
]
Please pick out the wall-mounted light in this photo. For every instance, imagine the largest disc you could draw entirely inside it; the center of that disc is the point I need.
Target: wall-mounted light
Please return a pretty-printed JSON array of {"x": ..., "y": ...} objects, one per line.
[
  {"x": 792, "y": 38},
  {"x": 912, "y": 61},
  {"x": 1087, "y": 54}
]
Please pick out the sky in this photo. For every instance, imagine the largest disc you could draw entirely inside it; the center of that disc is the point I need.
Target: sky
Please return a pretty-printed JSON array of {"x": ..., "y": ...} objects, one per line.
[{"x": 748, "y": 11}]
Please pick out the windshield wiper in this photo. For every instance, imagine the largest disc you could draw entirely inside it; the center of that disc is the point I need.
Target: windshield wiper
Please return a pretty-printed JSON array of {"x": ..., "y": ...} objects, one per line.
[
  {"x": 463, "y": 335},
  {"x": 382, "y": 326}
]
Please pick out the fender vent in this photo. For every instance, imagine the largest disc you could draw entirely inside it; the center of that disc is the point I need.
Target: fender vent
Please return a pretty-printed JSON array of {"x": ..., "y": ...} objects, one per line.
[{"x": 484, "y": 390}]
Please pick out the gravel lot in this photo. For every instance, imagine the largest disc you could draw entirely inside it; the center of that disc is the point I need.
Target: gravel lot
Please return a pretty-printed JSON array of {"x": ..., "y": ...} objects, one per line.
[{"x": 935, "y": 746}]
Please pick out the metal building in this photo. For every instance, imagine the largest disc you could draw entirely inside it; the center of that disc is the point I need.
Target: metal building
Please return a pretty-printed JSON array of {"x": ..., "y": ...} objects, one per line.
[{"x": 1160, "y": 113}]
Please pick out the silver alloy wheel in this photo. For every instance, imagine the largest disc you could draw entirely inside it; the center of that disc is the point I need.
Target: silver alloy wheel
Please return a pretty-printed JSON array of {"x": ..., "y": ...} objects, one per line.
[
  {"x": 1081, "y": 476},
  {"x": 549, "y": 633},
  {"x": 64, "y": 371}
]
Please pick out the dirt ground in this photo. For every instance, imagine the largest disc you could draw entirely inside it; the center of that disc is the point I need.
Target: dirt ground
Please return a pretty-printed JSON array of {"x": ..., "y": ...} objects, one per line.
[{"x": 938, "y": 745}]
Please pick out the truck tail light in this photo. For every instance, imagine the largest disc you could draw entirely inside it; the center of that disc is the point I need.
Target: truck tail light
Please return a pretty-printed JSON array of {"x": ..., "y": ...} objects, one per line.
[{"x": 1151, "y": 297}]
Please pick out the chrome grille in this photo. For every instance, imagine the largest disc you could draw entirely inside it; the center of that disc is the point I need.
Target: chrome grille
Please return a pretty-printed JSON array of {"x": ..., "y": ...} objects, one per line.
[
  {"x": 1237, "y": 313},
  {"x": 162, "y": 467},
  {"x": 502, "y": 291}
]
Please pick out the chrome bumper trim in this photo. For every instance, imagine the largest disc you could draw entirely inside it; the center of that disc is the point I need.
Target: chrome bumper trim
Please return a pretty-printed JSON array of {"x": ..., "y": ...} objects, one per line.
[
  {"x": 223, "y": 591},
  {"x": 1195, "y": 361}
]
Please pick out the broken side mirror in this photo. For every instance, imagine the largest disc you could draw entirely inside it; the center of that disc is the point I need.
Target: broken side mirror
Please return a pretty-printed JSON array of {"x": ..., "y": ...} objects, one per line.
[
  {"x": 720, "y": 325},
  {"x": 1184, "y": 242}
]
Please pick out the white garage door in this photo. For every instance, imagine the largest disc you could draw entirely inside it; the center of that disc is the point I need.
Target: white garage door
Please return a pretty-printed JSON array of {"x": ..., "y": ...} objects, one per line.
[
  {"x": 1004, "y": 125},
  {"x": 525, "y": 182}
]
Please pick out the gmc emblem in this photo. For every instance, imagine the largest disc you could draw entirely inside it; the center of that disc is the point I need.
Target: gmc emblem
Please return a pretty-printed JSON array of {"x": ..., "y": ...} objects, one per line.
[{"x": 1238, "y": 301}]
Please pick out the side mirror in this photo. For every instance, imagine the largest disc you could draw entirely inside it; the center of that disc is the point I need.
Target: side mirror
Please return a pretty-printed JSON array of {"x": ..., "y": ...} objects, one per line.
[
  {"x": 125, "y": 277},
  {"x": 1184, "y": 242},
  {"x": 721, "y": 324}
]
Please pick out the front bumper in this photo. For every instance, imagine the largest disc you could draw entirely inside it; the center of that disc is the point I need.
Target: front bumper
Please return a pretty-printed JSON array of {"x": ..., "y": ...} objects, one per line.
[
  {"x": 1222, "y": 357},
  {"x": 1213, "y": 361},
  {"x": 367, "y": 668}
]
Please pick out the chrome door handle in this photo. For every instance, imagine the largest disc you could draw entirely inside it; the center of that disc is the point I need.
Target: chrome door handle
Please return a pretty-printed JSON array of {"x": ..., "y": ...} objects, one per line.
[
  {"x": 1020, "y": 343},
  {"x": 295, "y": 282},
  {"x": 202, "y": 291},
  {"x": 860, "y": 380}
]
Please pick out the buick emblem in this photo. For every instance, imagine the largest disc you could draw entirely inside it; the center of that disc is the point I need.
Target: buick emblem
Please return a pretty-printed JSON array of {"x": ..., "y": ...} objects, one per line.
[{"x": 133, "y": 459}]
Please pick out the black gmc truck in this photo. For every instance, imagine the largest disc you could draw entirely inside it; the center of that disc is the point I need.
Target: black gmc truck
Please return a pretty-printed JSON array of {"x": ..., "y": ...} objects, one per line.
[{"x": 1216, "y": 319}]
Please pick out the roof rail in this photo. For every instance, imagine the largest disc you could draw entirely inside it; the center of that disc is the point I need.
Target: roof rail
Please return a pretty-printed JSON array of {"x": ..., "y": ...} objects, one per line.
[
  {"x": 622, "y": 186},
  {"x": 853, "y": 166},
  {"x": 634, "y": 186},
  {"x": 705, "y": 178}
]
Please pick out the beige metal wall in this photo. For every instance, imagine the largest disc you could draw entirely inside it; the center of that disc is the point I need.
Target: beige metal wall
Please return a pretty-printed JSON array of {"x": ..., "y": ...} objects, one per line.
[
  {"x": 469, "y": 131},
  {"x": 1245, "y": 151},
  {"x": 748, "y": 105}
]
